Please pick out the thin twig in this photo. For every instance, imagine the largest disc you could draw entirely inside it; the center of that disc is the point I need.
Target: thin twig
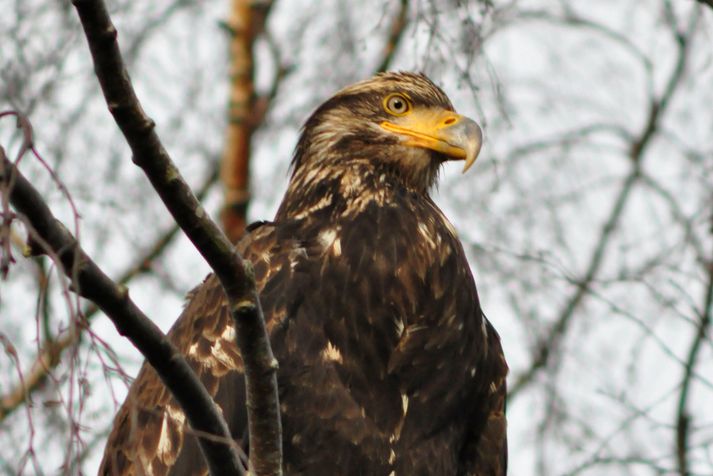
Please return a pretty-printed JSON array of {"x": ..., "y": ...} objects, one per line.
[
  {"x": 549, "y": 344},
  {"x": 237, "y": 280},
  {"x": 90, "y": 282},
  {"x": 49, "y": 355}
]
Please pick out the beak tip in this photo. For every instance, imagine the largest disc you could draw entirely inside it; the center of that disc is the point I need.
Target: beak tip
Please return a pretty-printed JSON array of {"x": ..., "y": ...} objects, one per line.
[{"x": 474, "y": 143}]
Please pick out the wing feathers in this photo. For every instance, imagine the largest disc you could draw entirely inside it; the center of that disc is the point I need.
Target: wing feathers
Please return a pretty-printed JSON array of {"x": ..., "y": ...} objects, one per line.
[{"x": 150, "y": 433}]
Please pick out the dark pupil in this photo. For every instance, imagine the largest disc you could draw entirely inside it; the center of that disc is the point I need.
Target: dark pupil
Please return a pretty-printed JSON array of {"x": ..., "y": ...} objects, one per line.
[{"x": 397, "y": 104}]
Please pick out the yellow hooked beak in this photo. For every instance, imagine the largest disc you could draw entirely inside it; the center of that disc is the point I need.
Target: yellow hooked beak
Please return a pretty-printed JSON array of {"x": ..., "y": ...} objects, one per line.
[{"x": 451, "y": 134}]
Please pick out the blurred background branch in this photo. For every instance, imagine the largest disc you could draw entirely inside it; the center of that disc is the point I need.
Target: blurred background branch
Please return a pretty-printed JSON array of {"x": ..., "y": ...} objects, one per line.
[
  {"x": 396, "y": 32},
  {"x": 637, "y": 147},
  {"x": 246, "y": 110},
  {"x": 683, "y": 413}
]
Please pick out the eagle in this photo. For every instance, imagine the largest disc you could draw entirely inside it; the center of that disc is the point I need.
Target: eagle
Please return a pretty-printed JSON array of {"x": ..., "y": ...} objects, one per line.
[{"x": 387, "y": 364}]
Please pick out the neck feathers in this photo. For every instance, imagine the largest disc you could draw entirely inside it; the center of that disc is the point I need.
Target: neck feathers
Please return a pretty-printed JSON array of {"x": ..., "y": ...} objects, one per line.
[{"x": 342, "y": 191}]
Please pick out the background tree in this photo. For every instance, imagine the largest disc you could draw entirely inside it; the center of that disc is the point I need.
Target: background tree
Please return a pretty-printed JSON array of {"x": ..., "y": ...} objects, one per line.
[{"x": 589, "y": 216}]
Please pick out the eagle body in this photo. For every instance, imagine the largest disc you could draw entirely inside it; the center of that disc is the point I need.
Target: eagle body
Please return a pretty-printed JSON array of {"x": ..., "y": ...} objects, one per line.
[{"x": 387, "y": 364}]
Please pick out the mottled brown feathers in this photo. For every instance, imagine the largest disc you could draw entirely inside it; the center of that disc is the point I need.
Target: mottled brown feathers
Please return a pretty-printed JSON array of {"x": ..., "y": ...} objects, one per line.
[{"x": 387, "y": 363}]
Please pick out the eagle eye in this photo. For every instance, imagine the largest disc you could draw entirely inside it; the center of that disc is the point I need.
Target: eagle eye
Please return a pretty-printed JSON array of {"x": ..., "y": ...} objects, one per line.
[{"x": 397, "y": 104}]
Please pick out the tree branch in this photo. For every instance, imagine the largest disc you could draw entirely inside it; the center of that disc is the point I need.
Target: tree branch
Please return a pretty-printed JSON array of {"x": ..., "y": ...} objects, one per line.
[
  {"x": 398, "y": 26},
  {"x": 49, "y": 355},
  {"x": 683, "y": 418},
  {"x": 235, "y": 276},
  {"x": 90, "y": 282},
  {"x": 245, "y": 112}
]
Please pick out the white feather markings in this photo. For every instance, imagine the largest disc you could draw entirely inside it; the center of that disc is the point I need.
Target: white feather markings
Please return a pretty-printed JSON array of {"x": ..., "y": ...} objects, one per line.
[
  {"x": 329, "y": 240},
  {"x": 165, "y": 444},
  {"x": 228, "y": 333},
  {"x": 399, "y": 323},
  {"x": 324, "y": 202},
  {"x": 331, "y": 353},
  {"x": 397, "y": 431},
  {"x": 424, "y": 231}
]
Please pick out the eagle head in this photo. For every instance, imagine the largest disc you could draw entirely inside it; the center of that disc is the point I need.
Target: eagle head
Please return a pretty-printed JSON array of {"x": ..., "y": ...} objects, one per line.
[{"x": 400, "y": 123}]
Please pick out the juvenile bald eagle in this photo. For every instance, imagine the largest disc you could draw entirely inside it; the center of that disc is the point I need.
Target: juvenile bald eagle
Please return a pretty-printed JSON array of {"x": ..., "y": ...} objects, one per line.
[{"x": 387, "y": 364}]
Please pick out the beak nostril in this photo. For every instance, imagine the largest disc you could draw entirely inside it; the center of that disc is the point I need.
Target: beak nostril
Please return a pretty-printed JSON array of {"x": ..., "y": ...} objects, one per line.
[{"x": 449, "y": 121}]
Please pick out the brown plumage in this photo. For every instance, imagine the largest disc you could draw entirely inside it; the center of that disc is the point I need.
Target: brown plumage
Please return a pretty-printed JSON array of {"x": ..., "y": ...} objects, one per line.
[{"x": 387, "y": 364}]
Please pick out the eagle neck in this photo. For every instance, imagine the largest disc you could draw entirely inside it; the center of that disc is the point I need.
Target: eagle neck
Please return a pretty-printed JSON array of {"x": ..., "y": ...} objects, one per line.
[{"x": 332, "y": 192}]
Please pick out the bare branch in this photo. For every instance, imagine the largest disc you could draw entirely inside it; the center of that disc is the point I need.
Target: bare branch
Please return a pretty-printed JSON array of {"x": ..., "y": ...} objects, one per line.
[
  {"x": 547, "y": 346},
  {"x": 90, "y": 282},
  {"x": 236, "y": 279},
  {"x": 550, "y": 343},
  {"x": 245, "y": 113},
  {"x": 12, "y": 352},
  {"x": 49, "y": 355},
  {"x": 678, "y": 214},
  {"x": 683, "y": 418},
  {"x": 398, "y": 26}
]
